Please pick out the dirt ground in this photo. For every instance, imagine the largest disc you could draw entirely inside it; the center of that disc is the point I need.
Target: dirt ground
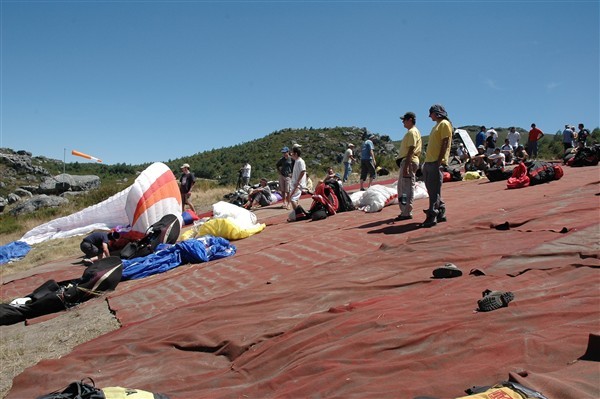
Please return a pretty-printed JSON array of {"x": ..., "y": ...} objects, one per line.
[{"x": 24, "y": 347}]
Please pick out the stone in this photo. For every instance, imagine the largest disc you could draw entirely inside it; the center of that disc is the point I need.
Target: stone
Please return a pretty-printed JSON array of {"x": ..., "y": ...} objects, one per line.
[{"x": 38, "y": 202}]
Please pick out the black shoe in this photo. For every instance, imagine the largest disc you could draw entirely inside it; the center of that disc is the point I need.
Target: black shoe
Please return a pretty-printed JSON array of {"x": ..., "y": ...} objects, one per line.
[
  {"x": 493, "y": 300},
  {"x": 441, "y": 217},
  {"x": 429, "y": 222},
  {"x": 402, "y": 217},
  {"x": 449, "y": 270}
]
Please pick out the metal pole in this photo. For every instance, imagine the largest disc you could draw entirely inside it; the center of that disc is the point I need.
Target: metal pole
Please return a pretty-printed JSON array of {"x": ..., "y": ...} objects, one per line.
[{"x": 64, "y": 160}]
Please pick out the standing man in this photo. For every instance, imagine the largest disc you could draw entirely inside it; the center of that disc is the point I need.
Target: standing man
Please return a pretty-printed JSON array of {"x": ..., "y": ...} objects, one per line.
[
  {"x": 186, "y": 182},
  {"x": 298, "y": 177},
  {"x": 410, "y": 149},
  {"x": 492, "y": 132},
  {"x": 582, "y": 135},
  {"x": 367, "y": 162},
  {"x": 513, "y": 138},
  {"x": 245, "y": 174},
  {"x": 535, "y": 135},
  {"x": 348, "y": 160},
  {"x": 285, "y": 167},
  {"x": 480, "y": 137},
  {"x": 438, "y": 151},
  {"x": 568, "y": 138}
]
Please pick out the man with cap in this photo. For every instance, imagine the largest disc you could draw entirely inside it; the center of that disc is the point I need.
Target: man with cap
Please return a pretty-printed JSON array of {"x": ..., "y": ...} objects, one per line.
[
  {"x": 285, "y": 166},
  {"x": 348, "y": 160},
  {"x": 438, "y": 151},
  {"x": 367, "y": 162},
  {"x": 410, "y": 150},
  {"x": 186, "y": 182}
]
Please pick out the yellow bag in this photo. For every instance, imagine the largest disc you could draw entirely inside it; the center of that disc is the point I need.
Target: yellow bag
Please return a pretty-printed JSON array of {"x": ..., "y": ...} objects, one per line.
[
  {"x": 472, "y": 175},
  {"x": 228, "y": 229},
  {"x": 128, "y": 393}
]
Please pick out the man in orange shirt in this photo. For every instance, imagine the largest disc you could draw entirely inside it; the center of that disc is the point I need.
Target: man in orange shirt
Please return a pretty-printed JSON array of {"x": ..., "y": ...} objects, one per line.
[{"x": 535, "y": 135}]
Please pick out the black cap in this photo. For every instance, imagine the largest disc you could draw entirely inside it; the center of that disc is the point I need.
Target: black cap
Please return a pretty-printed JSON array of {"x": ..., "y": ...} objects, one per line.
[{"x": 409, "y": 115}]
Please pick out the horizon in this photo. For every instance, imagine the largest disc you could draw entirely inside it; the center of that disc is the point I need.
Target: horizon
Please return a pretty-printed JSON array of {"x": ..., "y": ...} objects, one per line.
[{"x": 133, "y": 83}]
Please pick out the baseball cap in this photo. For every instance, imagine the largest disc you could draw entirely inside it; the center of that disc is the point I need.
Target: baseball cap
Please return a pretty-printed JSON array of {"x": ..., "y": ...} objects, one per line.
[
  {"x": 481, "y": 146},
  {"x": 350, "y": 145},
  {"x": 185, "y": 165},
  {"x": 297, "y": 145},
  {"x": 409, "y": 115},
  {"x": 285, "y": 149}
]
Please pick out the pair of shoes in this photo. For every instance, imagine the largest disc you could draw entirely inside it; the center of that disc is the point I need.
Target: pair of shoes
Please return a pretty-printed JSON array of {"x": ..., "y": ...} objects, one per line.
[
  {"x": 403, "y": 217},
  {"x": 87, "y": 262},
  {"x": 441, "y": 216},
  {"x": 493, "y": 300},
  {"x": 449, "y": 270}
]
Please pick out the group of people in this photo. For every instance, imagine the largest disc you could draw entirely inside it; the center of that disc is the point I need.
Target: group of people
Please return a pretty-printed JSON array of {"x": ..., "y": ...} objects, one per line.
[{"x": 572, "y": 138}]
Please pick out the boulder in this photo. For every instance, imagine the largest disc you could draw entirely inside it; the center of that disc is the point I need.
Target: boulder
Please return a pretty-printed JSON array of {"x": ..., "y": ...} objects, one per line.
[
  {"x": 21, "y": 162},
  {"x": 38, "y": 202},
  {"x": 12, "y": 198},
  {"x": 23, "y": 193},
  {"x": 65, "y": 182}
]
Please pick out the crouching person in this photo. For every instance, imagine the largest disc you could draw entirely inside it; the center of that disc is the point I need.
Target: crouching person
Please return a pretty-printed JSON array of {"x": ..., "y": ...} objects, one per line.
[{"x": 97, "y": 246}]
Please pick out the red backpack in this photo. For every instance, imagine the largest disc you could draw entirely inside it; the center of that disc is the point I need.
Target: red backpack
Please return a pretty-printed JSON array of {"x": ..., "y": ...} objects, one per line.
[{"x": 519, "y": 177}]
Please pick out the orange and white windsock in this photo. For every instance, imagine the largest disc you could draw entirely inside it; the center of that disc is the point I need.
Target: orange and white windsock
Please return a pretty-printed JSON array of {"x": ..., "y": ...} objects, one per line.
[{"x": 81, "y": 154}]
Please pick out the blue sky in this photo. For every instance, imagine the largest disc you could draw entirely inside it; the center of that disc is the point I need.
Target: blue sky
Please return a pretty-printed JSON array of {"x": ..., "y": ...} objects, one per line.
[{"x": 143, "y": 81}]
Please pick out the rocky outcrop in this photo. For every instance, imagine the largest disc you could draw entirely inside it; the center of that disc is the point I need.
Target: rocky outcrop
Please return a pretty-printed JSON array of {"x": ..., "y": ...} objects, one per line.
[
  {"x": 38, "y": 202},
  {"x": 21, "y": 163},
  {"x": 64, "y": 182}
]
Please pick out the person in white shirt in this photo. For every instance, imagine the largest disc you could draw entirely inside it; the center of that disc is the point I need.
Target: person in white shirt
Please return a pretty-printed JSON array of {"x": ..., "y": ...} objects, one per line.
[
  {"x": 507, "y": 150},
  {"x": 245, "y": 175},
  {"x": 298, "y": 177},
  {"x": 497, "y": 159},
  {"x": 513, "y": 138}
]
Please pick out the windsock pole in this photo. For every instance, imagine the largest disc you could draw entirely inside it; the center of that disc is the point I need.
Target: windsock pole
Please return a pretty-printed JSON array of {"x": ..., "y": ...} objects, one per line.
[{"x": 81, "y": 154}]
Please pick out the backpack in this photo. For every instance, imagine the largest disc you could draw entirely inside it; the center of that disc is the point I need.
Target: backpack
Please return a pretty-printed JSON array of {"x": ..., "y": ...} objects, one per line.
[
  {"x": 498, "y": 174},
  {"x": 519, "y": 178},
  {"x": 76, "y": 390},
  {"x": 165, "y": 231},
  {"x": 539, "y": 172},
  {"x": 344, "y": 201},
  {"x": 586, "y": 156},
  {"x": 325, "y": 196}
]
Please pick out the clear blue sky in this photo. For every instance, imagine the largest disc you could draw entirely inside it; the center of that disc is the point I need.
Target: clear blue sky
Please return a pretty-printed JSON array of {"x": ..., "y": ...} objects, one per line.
[{"x": 144, "y": 81}]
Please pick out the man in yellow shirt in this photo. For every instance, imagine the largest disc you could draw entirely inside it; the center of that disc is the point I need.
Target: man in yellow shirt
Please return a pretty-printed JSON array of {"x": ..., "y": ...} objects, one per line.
[
  {"x": 410, "y": 149},
  {"x": 438, "y": 151}
]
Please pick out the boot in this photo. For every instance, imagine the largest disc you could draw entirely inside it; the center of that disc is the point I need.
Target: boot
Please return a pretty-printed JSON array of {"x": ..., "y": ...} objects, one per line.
[
  {"x": 430, "y": 221},
  {"x": 441, "y": 217}
]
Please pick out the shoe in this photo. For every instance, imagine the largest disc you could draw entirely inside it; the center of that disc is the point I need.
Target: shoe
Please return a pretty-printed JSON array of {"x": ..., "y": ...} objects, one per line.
[
  {"x": 441, "y": 217},
  {"x": 87, "y": 262},
  {"x": 429, "y": 222},
  {"x": 403, "y": 217},
  {"x": 449, "y": 270},
  {"x": 493, "y": 300},
  {"x": 362, "y": 189}
]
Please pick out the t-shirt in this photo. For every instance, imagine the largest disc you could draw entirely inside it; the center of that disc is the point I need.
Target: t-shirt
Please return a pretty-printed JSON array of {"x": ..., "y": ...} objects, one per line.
[
  {"x": 246, "y": 170},
  {"x": 97, "y": 239},
  {"x": 299, "y": 166},
  {"x": 534, "y": 134},
  {"x": 568, "y": 136},
  {"x": 186, "y": 180},
  {"x": 513, "y": 138},
  {"x": 480, "y": 138},
  {"x": 493, "y": 133},
  {"x": 365, "y": 153},
  {"x": 285, "y": 165},
  {"x": 506, "y": 148},
  {"x": 411, "y": 138},
  {"x": 441, "y": 131},
  {"x": 347, "y": 156},
  {"x": 497, "y": 159}
]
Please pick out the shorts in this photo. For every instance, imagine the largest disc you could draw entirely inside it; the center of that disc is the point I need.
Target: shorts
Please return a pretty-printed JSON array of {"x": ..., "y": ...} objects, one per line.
[
  {"x": 285, "y": 183},
  {"x": 89, "y": 249},
  {"x": 367, "y": 168}
]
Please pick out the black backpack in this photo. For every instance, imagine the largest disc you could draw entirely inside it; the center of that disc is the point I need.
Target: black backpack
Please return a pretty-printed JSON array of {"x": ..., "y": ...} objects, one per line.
[
  {"x": 77, "y": 390},
  {"x": 165, "y": 231}
]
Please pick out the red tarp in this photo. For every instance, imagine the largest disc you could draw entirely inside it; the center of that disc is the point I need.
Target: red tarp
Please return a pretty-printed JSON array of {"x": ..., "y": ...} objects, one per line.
[{"x": 347, "y": 307}]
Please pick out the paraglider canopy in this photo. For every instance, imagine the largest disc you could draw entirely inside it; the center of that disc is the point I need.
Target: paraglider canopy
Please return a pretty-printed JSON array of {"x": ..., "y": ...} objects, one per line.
[{"x": 154, "y": 194}]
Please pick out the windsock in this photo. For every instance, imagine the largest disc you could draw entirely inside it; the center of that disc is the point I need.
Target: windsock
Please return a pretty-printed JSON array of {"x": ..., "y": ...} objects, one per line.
[{"x": 81, "y": 154}]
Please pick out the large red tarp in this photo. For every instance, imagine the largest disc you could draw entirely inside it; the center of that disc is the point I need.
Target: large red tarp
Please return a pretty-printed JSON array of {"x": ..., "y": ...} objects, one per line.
[{"x": 347, "y": 307}]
